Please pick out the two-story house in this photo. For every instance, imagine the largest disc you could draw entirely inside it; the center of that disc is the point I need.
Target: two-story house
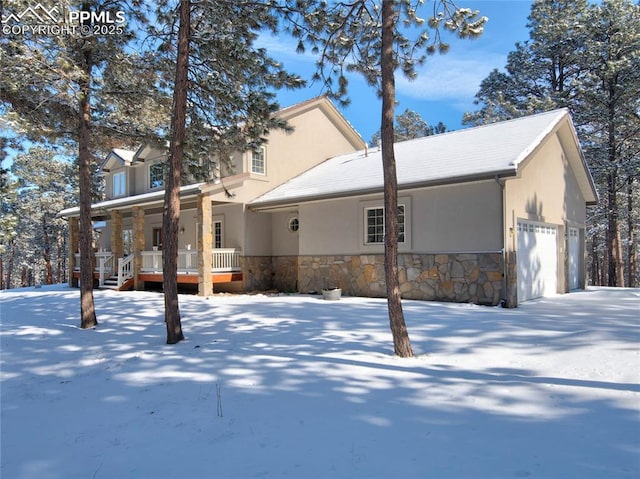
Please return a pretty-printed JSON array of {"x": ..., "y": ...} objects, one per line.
[
  {"x": 220, "y": 239},
  {"x": 492, "y": 214}
]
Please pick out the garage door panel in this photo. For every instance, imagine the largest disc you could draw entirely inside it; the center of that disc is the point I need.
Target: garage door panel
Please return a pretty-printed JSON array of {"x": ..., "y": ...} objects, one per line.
[
  {"x": 537, "y": 260},
  {"x": 574, "y": 258}
]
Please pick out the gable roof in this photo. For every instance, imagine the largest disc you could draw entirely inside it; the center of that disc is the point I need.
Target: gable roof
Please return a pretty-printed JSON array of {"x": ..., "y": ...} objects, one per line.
[
  {"x": 324, "y": 104},
  {"x": 116, "y": 158},
  {"x": 488, "y": 151}
]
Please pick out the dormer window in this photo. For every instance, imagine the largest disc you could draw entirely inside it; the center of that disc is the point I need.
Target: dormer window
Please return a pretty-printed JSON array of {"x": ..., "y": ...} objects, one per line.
[
  {"x": 258, "y": 162},
  {"x": 119, "y": 184},
  {"x": 156, "y": 176}
]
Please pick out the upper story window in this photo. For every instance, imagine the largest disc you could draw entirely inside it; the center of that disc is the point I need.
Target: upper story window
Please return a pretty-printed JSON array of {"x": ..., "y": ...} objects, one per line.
[
  {"x": 258, "y": 162},
  {"x": 119, "y": 184},
  {"x": 374, "y": 225},
  {"x": 156, "y": 175}
]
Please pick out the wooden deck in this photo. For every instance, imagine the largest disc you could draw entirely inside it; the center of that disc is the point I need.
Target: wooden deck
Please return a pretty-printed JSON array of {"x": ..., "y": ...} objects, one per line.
[{"x": 183, "y": 278}]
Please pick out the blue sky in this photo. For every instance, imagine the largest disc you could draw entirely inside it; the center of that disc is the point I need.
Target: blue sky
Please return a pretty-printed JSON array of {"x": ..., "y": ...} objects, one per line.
[{"x": 446, "y": 84}]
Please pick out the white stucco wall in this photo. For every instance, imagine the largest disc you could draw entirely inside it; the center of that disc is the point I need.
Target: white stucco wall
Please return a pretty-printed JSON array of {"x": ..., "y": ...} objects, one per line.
[
  {"x": 284, "y": 241},
  {"x": 455, "y": 218}
]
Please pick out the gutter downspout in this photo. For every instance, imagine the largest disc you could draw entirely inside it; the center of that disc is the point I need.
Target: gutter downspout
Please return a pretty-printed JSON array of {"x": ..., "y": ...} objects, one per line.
[{"x": 505, "y": 295}]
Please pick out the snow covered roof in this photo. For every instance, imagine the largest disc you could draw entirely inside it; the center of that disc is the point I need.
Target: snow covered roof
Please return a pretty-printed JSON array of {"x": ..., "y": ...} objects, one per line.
[
  {"x": 475, "y": 153},
  {"x": 137, "y": 200},
  {"x": 117, "y": 157}
]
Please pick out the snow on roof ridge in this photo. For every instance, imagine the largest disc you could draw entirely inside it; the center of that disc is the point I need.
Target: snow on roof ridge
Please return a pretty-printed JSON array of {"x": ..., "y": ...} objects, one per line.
[
  {"x": 423, "y": 158},
  {"x": 486, "y": 125}
]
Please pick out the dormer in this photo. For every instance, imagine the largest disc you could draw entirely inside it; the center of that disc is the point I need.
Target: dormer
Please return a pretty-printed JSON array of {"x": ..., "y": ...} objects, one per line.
[
  {"x": 115, "y": 168},
  {"x": 149, "y": 165}
]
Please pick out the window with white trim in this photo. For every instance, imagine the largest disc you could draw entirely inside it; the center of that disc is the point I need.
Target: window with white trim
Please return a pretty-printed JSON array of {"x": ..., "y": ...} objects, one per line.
[
  {"x": 258, "y": 162},
  {"x": 217, "y": 234},
  {"x": 119, "y": 184},
  {"x": 156, "y": 175},
  {"x": 374, "y": 225}
]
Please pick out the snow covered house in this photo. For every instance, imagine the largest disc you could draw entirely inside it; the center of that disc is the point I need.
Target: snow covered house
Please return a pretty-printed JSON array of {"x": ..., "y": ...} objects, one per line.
[
  {"x": 221, "y": 240},
  {"x": 488, "y": 215}
]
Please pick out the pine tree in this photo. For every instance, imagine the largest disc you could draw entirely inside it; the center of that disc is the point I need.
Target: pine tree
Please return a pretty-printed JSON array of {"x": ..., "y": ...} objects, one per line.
[
  {"x": 224, "y": 101},
  {"x": 410, "y": 125},
  {"x": 371, "y": 38},
  {"x": 64, "y": 89},
  {"x": 585, "y": 57},
  {"x": 609, "y": 93},
  {"x": 45, "y": 185}
]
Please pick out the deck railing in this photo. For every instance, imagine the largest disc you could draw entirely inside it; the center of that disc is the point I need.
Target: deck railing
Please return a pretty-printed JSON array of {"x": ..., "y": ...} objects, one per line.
[
  {"x": 223, "y": 259},
  {"x": 125, "y": 269}
]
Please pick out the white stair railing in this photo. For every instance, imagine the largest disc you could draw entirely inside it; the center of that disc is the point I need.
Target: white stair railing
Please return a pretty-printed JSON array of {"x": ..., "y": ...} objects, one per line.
[
  {"x": 125, "y": 269},
  {"x": 105, "y": 266}
]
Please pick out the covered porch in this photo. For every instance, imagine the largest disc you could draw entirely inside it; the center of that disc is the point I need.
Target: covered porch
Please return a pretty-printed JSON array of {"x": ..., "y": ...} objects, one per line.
[
  {"x": 129, "y": 252},
  {"x": 118, "y": 273}
]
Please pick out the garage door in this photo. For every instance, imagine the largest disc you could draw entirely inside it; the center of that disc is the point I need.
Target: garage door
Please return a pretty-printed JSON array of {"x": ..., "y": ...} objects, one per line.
[
  {"x": 537, "y": 260},
  {"x": 574, "y": 258}
]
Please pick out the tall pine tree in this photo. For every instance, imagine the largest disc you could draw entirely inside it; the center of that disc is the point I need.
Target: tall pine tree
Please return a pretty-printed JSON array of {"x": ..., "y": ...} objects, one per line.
[
  {"x": 224, "y": 101},
  {"x": 585, "y": 57},
  {"x": 376, "y": 39},
  {"x": 68, "y": 87}
]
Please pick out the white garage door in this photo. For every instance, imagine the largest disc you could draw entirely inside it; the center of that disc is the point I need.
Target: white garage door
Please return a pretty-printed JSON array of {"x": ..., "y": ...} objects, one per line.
[
  {"x": 537, "y": 260},
  {"x": 574, "y": 258}
]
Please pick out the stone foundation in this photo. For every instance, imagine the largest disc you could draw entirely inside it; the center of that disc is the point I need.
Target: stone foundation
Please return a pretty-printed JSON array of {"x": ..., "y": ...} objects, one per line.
[
  {"x": 459, "y": 277},
  {"x": 257, "y": 273},
  {"x": 285, "y": 273}
]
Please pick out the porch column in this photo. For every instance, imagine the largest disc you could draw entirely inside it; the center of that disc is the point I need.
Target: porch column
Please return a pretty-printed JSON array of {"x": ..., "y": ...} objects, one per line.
[
  {"x": 138, "y": 246},
  {"x": 117, "y": 247},
  {"x": 205, "y": 246},
  {"x": 74, "y": 243}
]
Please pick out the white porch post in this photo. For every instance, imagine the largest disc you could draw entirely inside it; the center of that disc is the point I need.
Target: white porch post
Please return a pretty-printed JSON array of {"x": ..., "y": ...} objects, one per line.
[{"x": 205, "y": 246}]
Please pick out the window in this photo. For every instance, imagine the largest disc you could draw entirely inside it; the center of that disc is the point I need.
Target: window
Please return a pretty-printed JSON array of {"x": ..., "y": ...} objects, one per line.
[
  {"x": 156, "y": 237},
  {"x": 294, "y": 224},
  {"x": 374, "y": 227},
  {"x": 127, "y": 241},
  {"x": 217, "y": 234},
  {"x": 156, "y": 175},
  {"x": 119, "y": 184},
  {"x": 258, "y": 162}
]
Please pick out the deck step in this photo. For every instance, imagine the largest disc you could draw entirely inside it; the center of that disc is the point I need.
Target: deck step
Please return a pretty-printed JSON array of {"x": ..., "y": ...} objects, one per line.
[{"x": 112, "y": 283}]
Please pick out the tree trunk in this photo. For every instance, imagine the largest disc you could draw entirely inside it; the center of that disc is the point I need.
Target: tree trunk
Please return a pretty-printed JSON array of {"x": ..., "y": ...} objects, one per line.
[
  {"x": 632, "y": 256},
  {"x": 614, "y": 246},
  {"x": 46, "y": 252},
  {"x": 87, "y": 309},
  {"x": 171, "y": 216},
  {"x": 401, "y": 343}
]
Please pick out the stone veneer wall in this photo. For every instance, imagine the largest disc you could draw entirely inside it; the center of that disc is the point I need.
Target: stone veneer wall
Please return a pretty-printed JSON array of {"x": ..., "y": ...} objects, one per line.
[
  {"x": 285, "y": 276},
  {"x": 460, "y": 277},
  {"x": 257, "y": 272}
]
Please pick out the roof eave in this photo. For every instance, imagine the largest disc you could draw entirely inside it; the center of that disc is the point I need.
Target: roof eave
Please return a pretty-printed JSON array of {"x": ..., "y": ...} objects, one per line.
[
  {"x": 147, "y": 199},
  {"x": 289, "y": 202}
]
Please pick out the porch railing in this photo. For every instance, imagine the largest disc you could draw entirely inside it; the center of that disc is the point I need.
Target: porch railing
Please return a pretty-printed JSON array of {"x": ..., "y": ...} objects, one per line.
[
  {"x": 125, "y": 269},
  {"x": 105, "y": 262},
  {"x": 223, "y": 260}
]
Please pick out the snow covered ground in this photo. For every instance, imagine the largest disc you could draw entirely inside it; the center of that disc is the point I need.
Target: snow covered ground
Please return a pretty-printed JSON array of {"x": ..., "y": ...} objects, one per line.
[{"x": 298, "y": 387}]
